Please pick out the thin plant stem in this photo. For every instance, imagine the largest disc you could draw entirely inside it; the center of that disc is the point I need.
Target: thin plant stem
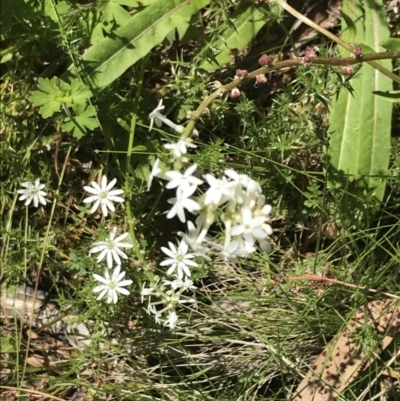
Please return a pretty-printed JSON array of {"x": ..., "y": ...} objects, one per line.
[
  {"x": 128, "y": 162},
  {"x": 43, "y": 254},
  {"x": 330, "y": 35}
]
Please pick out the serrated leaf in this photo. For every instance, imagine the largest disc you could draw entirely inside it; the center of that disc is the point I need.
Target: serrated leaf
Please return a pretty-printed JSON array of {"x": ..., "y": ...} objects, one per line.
[
  {"x": 109, "y": 59},
  {"x": 79, "y": 92},
  {"x": 113, "y": 11},
  {"x": 50, "y": 96},
  {"x": 247, "y": 22},
  {"x": 82, "y": 122},
  {"x": 54, "y": 11},
  {"x": 392, "y": 44},
  {"x": 360, "y": 122}
]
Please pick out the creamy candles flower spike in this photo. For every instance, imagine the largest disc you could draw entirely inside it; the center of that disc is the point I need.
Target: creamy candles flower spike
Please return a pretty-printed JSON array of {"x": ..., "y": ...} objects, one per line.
[
  {"x": 32, "y": 192},
  {"x": 112, "y": 285},
  {"x": 110, "y": 248},
  {"x": 103, "y": 195}
]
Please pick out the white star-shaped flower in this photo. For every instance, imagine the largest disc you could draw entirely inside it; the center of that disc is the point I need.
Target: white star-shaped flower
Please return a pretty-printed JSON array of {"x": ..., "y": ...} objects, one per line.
[
  {"x": 103, "y": 195},
  {"x": 112, "y": 285},
  {"x": 183, "y": 181},
  {"x": 110, "y": 248},
  {"x": 251, "y": 228},
  {"x": 182, "y": 202},
  {"x": 32, "y": 192},
  {"x": 180, "y": 148},
  {"x": 220, "y": 190},
  {"x": 179, "y": 259}
]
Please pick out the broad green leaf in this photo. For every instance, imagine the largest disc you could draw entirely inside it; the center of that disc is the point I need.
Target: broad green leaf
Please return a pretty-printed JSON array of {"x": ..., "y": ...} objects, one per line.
[
  {"x": 391, "y": 44},
  {"x": 360, "y": 122},
  {"x": 83, "y": 121},
  {"x": 247, "y": 22},
  {"x": 109, "y": 59}
]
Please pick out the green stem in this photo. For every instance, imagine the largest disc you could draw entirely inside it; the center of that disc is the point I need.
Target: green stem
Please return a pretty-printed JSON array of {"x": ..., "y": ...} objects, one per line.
[
  {"x": 128, "y": 164},
  {"x": 43, "y": 254},
  {"x": 285, "y": 64}
]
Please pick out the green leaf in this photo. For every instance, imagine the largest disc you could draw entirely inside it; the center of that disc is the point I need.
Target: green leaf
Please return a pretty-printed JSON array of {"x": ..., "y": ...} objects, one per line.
[
  {"x": 113, "y": 11},
  {"x": 109, "y": 59},
  {"x": 52, "y": 10},
  {"x": 52, "y": 94},
  {"x": 247, "y": 22},
  {"x": 79, "y": 92},
  {"x": 360, "y": 122},
  {"x": 82, "y": 122},
  {"x": 389, "y": 96},
  {"x": 139, "y": 148},
  {"x": 351, "y": 27},
  {"x": 391, "y": 44}
]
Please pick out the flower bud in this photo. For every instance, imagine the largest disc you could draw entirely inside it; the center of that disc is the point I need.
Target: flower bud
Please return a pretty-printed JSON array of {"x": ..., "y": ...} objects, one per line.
[
  {"x": 264, "y": 60},
  {"x": 261, "y": 80},
  {"x": 310, "y": 52},
  {"x": 358, "y": 51},
  {"x": 241, "y": 74},
  {"x": 235, "y": 93},
  {"x": 347, "y": 70}
]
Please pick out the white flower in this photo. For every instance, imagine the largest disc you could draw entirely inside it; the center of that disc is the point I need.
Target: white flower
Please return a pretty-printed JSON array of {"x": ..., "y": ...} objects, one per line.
[
  {"x": 103, "y": 196},
  {"x": 180, "y": 148},
  {"x": 112, "y": 285},
  {"x": 220, "y": 190},
  {"x": 156, "y": 117},
  {"x": 179, "y": 260},
  {"x": 178, "y": 283},
  {"x": 155, "y": 172},
  {"x": 250, "y": 227},
  {"x": 32, "y": 192},
  {"x": 172, "y": 320},
  {"x": 182, "y": 202},
  {"x": 192, "y": 238},
  {"x": 111, "y": 248},
  {"x": 183, "y": 181}
]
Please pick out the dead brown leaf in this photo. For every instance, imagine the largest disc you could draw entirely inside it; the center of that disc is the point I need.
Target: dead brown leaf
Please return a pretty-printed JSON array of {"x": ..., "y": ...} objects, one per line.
[{"x": 343, "y": 359}]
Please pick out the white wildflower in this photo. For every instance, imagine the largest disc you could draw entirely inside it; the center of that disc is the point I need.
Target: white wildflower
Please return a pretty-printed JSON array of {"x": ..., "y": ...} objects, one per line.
[
  {"x": 249, "y": 227},
  {"x": 110, "y": 248},
  {"x": 112, "y": 285},
  {"x": 183, "y": 181},
  {"x": 182, "y": 202},
  {"x": 179, "y": 259},
  {"x": 103, "y": 195},
  {"x": 220, "y": 190},
  {"x": 180, "y": 148},
  {"x": 157, "y": 118},
  {"x": 32, "y": 192}
]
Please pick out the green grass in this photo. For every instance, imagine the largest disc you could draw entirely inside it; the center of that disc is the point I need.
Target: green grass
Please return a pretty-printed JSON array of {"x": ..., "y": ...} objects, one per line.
[{"x": 256, "y": 329}]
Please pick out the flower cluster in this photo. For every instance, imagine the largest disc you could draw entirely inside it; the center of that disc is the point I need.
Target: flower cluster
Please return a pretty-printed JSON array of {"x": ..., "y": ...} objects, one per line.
[
  {"x": 112, "y": 283},
  {"x": 234, "y": 202}
]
